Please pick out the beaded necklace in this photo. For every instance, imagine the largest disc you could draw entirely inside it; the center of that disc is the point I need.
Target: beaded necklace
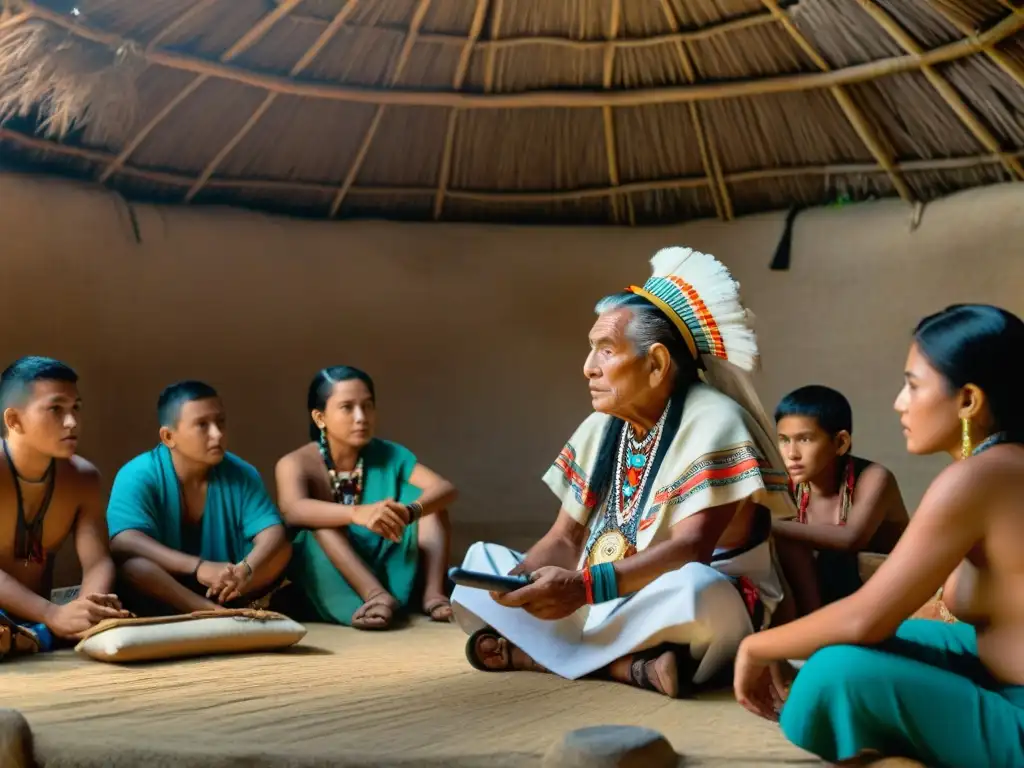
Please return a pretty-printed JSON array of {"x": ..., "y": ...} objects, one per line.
[
  {"x": 28, "y": 537},
  {"x": 616, "y": 537},
  {"x": 803, "y": 494},
  {"x": 632, "y": 468},
  {"x": 990, "y": 442},
  {"x": 346, "y": 487}
]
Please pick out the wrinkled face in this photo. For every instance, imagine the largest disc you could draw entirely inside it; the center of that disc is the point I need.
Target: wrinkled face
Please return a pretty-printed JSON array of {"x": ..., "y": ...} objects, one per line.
[
  {"x": 350, "y": 414},
  {"x": 47, "y": 419},
  {"x": 618, "y": 376},
  {"x": 808, "y": 450},
  {"x": 929, "y": 411},
  {"x": 201, "y": 431}
]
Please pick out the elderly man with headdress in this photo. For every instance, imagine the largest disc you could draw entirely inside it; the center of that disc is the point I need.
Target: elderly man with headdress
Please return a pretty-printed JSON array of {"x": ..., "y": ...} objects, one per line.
[{"x": 660, "y": 561}]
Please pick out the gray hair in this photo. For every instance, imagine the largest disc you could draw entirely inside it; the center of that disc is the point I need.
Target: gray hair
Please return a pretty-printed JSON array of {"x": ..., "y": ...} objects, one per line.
[{"x": 649, "y": 326}]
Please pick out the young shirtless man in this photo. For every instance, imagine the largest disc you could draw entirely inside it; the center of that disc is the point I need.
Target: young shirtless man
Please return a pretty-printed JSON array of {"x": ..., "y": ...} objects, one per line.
[
  {"x": 47, "y": 493},
  {"x": 846, "y": 504},
  {"x": 192, "y": 525}
]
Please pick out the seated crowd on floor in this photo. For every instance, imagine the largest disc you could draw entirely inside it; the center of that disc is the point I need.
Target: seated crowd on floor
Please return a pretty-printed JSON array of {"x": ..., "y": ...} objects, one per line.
[{"x": 694, "y": 536}]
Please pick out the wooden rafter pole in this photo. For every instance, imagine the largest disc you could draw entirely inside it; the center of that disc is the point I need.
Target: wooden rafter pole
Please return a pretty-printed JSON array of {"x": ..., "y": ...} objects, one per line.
[
  {"x": 325, "y": 37},
  {"x": 997, "y": 57},
  {"x": 260, "y": 29},
  {"x": 244, "y": 43},
  {"x": 702, "y": 33},
  {"x": 233, "y": 142},
  {"x": 608, "y": 118},
  {"x": 708, "y": 151},
  {"x": 735, "y": 24},
  {"x": 792, "y": 83},
  {"x": 250, "y": 38},
  {"x": 396, "y": 74},
  {"x": 858, "y": 120},
  {"x": 562, "y": 195},
  {"x": 136, "y": 141},
  {"x": 944, "y": 88},
  {"x": 194, "y": 10},
  {"x": 7, "y": 21},
  {"x": 489, "y": 59},
  {"x": 1000, "y": 59},
  {"x": 191, "y": 87},
  {"x": 461, "y": 70}
]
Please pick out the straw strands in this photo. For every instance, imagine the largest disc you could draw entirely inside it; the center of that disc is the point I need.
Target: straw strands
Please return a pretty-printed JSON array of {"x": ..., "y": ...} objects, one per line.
[{"x": 580, "y": 111}]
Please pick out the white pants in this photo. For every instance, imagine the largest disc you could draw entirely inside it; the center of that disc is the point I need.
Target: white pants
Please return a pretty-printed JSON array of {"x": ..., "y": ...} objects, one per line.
[{"x": 694, "y": 605}]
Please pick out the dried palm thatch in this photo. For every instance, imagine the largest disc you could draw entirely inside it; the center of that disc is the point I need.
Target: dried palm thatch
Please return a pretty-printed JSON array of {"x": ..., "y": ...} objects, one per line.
[
  {"x": 67, "y": 82},
  {"x": 624, "y": 111}
]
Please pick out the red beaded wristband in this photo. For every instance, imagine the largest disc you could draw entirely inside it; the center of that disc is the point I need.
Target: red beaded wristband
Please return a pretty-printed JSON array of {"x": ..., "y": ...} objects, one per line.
[{"x": 588, "y": 584}]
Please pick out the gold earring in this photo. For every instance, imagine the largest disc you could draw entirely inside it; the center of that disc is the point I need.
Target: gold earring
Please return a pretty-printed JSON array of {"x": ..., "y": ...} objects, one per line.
[{"x": 965, "y": 438}]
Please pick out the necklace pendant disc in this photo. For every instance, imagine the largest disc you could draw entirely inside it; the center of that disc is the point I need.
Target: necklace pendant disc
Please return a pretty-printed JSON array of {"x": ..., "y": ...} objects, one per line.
[{"x": 609, "y": 547}]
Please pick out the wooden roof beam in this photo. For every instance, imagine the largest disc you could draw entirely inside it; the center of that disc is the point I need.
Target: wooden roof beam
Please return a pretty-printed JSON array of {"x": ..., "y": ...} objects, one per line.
[
  {"x": 364, "y": 148},
  {"x": 526, "y": 196},
  {"x": 191, "y": 87},
  {"x": 9, "y": 20},
  {"x": 997, "y": 57},
  {"x": 705, "y": 143},
  {"x": 250, "y": 38},
  {"x": 244, "y": 43},
  {"x": 608, "y": 118},
  {"x": 791, "y": 83},
  {"x": 461, "y": 70},
  {"x": 194, "y": 10},
  {"x": 325, "y": 37},
  {"x": 856, "y": 117},
  {"x": 260, "y": 29},
  {"x": 944, "y": 88}
]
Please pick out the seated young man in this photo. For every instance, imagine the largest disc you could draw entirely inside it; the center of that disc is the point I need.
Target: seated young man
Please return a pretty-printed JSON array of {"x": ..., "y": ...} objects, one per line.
[
  {"x": 47, "y": 493},
  {"x": 846, "y": 504},
  {"x": 192, "y": 526}
]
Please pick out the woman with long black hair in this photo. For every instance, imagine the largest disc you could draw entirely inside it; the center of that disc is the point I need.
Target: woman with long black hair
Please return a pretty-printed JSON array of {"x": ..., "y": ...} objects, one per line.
[
  {"x": 373, "y": 520},
  {"x": 875, "y": 682}
]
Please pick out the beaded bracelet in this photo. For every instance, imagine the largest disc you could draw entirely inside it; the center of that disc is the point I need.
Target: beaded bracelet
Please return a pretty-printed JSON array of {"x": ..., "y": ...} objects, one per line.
[
  {"x": 588, "y": 585},
  {"x": 415, "y": 511}
]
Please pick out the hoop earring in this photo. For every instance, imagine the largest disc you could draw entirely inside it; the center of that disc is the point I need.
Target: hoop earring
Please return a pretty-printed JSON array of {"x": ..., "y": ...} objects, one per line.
[{"x": 965, "y": 438}]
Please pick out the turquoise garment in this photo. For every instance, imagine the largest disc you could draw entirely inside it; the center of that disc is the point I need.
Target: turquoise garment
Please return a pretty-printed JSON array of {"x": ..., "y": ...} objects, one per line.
[
  {"x": 386, "y": 470},
  {"x": 923, "y": 694},
  {"x": 146, "y": 497}
]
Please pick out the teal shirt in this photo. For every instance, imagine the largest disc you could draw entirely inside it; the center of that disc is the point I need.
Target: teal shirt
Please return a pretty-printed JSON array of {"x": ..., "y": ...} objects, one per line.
[{"x": 146, "y": 497}]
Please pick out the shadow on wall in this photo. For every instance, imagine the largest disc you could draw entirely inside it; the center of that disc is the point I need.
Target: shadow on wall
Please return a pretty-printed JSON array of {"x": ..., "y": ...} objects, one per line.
[{"x": 475, "y": 335}]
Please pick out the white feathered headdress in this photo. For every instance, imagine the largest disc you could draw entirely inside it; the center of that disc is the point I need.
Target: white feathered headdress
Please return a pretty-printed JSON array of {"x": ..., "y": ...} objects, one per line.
[{"x": 697, "y": 293}]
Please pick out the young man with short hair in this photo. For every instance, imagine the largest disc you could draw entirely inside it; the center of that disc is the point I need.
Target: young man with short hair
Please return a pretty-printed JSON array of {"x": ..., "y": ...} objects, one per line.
[
  {"x": 192, "y": 525},
  {"x": 48, "y": 493},
  {"x": 846, "y": 504}
]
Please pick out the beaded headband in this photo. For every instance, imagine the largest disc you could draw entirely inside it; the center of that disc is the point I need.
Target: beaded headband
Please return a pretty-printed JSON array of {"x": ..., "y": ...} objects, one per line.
[{"x": 698, "y": 294}]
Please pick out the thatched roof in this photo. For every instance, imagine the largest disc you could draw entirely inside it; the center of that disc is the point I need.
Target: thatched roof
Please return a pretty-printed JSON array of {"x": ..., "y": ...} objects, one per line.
[{"x": 625, "y": 111}]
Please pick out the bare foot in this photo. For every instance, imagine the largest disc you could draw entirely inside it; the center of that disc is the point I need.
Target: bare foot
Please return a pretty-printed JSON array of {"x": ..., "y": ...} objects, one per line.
[
  {"x": 376, "y": 613},
  {"x": 659, "y": 674},
  {"x": 490, "y": 652},
  {"x": 438, "y": 608}
]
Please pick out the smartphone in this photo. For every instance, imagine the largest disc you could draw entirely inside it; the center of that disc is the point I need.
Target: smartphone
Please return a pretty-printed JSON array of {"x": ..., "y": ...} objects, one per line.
[{"x": 488, "y": 581}]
